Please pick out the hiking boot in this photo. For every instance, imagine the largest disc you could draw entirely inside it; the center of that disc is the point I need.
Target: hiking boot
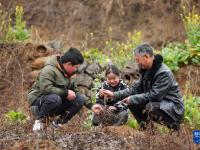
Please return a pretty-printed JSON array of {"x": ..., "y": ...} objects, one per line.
[{"x": 38, "y": 126}]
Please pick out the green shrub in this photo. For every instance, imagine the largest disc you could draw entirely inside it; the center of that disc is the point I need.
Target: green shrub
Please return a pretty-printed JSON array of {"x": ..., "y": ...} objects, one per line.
[
  {"x": 17, "y": 32},
  {"x": 175, "y": 54},
  {"x": 95, "y": 55},
  {"x": 96, "y": 84},
  {"x": 116, "y": 52},
  {"x": 16, "y": 117},
  {"x": 178, "y": 54},
  {"x": 88, "y": 123},
  {"x": 191, "y": 22},
  {"x": 121, "y": 52},
  {"x": 192, "y": 111}
]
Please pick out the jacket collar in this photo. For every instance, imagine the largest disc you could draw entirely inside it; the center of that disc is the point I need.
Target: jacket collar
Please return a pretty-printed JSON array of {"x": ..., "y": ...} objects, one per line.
[{"x": 149, "y": 74}]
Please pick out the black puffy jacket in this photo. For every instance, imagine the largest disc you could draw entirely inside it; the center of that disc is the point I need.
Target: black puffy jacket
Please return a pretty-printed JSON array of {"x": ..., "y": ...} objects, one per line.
[{"x": 106, "y": 86}]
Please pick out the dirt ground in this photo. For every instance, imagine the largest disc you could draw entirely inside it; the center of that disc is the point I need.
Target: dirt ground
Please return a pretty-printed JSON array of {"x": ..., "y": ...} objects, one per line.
[
  {"x": 108, "y": 138},
  {"x": 15, "y": 81}
]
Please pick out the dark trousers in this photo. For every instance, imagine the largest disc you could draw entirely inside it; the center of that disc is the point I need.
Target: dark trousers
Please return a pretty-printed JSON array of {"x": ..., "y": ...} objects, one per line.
[
  {"x": 152, "y": 111},
  {"x": 53, "y": 105}
]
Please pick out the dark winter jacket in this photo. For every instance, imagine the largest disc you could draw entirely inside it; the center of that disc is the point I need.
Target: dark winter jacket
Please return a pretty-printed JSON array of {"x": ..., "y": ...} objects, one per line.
[
  {"x": 105, "y": 85},
  {"x": 156, "y": 85}
]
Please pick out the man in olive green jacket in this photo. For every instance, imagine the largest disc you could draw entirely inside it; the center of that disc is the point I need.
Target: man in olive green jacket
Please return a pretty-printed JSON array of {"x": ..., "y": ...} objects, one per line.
[{"x": 54, "y": 92}]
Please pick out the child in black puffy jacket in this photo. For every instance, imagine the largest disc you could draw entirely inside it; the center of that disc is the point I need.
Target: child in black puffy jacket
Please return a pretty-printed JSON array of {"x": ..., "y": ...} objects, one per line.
[{"x": 113, "y": 106}]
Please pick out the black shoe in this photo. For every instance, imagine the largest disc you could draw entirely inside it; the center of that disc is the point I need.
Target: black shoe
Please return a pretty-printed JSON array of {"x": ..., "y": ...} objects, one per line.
[{"x": 174, "y": 126}]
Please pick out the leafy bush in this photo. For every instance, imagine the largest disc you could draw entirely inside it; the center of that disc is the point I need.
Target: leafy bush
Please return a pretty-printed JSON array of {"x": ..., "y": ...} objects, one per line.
[
  {"x": 95, "y": 55},
  {"x": 192, "y": 111},
  {"x": 88, "y": 123},
  {"x": 15, "y": 33},
  {"x": 191, "y": 22},
  {"x": 16, "y": 117},
  {"x": 177, "y": 54},
  {"x": 120, "y": 52},
  {"x": 117, "y": 52}
]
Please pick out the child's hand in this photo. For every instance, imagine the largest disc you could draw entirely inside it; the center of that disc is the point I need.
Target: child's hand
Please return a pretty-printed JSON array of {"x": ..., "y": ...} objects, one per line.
[
  {"x": 101, "y": 94},
  {"x": 96, "y": 108},
  {"x": 108, "y": 93},
  {"x": 112, "y": 108}
]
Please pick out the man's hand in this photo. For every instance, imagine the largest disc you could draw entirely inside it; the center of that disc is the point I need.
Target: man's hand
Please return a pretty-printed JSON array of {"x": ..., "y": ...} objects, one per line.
[
  {"x": 127, "y": 100},
  {"x": 108, "y": 94},
  {"x": 112, "y": 108},
  {"x": 71, "y": 95},
  {"x": 96, "y": 108}
]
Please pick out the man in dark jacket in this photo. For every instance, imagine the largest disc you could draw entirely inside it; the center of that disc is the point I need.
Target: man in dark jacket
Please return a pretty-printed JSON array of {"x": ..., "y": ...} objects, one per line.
[
  {"x": 156, "y": 95},
  {"x": 54, "y": 92}
]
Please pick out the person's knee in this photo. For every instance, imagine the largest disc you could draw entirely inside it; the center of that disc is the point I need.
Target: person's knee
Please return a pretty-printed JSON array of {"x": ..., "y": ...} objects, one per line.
[
  {"x": 79, "y": 100},
  {"x": 55, "y": 100}
]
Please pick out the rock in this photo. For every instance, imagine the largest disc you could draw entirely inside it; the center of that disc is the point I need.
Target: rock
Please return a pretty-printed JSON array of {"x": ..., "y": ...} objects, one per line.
[
  {"x": 83, "y": 80},
  {"x": 130, "y": 73},
  {"x": 84, "y": 90},
  {"x": 83, "y": 67},
  {"x": 38, "y": 63},
  {"x": 42, "y": 50},
  {"x": 94, "y": 68}
]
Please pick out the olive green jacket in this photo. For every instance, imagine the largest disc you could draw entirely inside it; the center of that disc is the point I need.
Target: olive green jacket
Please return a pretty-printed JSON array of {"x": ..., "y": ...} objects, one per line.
[{"x": 51, "y": 80}]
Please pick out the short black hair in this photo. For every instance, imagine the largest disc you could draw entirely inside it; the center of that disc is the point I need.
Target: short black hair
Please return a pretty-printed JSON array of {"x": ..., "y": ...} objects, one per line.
[
  {"x": 73, "y": 55},
  {"x": 112, "y": 69},
  {"x": 142, "y": 49}
]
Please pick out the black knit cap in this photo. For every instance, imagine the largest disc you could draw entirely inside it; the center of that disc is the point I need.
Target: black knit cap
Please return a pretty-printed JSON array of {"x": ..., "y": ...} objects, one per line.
[{"x": 73, "y": 55}]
